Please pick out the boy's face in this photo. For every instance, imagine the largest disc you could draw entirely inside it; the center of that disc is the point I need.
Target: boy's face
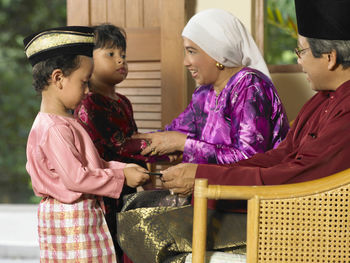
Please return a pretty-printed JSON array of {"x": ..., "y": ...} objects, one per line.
[
  {"x": 75, "y": 86},
  {"x": 110, "y": 66}
]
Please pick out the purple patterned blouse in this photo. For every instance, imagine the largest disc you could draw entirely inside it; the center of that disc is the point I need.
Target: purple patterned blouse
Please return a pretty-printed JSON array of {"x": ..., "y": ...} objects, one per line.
[{"x": 246, "y": 118}]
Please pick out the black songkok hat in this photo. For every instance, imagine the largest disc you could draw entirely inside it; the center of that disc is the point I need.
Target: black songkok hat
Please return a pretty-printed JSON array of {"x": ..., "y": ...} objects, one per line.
[
  {"x": 68, "y": 40},
  {"x": 323, "y": 19}
]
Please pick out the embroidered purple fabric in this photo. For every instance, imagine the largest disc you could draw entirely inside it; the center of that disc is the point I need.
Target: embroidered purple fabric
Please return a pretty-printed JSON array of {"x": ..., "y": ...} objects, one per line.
[{"x": 246, "y": 118}]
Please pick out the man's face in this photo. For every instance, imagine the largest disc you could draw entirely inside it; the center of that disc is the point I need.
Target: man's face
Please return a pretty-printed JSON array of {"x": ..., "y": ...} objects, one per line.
[{"x": 316, "y": 69}]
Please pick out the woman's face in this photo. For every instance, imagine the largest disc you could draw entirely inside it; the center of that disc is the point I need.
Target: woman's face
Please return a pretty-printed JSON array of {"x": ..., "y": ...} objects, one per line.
[{"x": 201, "y": 66}]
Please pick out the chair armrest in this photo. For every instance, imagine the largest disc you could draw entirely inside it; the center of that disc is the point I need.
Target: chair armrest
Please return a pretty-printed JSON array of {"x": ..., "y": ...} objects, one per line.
[{"x": 276, "y": 191}]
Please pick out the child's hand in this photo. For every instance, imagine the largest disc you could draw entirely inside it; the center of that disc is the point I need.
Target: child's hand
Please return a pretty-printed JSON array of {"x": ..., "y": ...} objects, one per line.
[{"x": 135, "y": 175}]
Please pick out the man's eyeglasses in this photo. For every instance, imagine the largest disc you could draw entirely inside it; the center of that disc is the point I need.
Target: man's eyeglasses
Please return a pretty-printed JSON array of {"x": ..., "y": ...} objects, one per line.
[{"x": 299, "y": 51}]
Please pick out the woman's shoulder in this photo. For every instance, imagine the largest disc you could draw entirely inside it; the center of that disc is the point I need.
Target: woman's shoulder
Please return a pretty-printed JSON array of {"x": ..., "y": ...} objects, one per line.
[
  {"x": 248, "y": 77},
  {"x": 251, "y": 74}
]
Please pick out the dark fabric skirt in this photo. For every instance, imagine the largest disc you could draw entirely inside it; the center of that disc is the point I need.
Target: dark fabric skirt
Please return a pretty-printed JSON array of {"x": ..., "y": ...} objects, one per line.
[{"x": 164, "y": 234}]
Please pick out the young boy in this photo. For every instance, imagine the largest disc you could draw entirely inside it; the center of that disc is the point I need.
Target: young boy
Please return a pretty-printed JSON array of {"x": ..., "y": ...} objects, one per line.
[{"x": 65, "y": 167}]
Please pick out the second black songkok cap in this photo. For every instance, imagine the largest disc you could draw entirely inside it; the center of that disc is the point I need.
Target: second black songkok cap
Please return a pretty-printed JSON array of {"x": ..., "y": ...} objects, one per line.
[
  {"x": 323, "y": 19},
  {"x": 68, "y": 40}
]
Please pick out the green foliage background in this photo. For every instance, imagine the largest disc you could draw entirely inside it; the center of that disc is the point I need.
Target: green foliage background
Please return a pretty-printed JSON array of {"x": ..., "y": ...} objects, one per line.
[
  {"x": 280, "y": 32},
  {"x": 18, "y": 101}
]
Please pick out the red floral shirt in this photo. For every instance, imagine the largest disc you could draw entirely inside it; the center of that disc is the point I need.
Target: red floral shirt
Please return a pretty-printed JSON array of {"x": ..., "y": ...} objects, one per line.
[{"x": 110, "y": 124}]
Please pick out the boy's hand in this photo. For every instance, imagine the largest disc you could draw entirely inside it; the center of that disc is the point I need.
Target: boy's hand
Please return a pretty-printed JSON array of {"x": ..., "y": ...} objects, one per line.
[{"x": 135, "y": 175}]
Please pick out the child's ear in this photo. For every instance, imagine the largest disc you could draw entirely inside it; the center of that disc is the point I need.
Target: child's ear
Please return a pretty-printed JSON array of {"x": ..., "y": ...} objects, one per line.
[{"x": 57, "y": 78}]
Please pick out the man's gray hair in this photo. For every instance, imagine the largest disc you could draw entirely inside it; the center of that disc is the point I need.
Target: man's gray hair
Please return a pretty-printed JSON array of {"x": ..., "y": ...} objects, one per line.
[{"x": 322, "y": 46}]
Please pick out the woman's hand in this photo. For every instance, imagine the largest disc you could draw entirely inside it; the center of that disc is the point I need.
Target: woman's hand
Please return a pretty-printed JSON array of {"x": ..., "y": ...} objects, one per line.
[
  {"x": 180, "y": 178},
  {"x": 163, "y": 142}
]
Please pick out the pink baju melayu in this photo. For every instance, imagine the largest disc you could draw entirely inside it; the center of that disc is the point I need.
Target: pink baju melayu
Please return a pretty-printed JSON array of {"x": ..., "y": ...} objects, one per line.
[{"x": 67, "y": 171}]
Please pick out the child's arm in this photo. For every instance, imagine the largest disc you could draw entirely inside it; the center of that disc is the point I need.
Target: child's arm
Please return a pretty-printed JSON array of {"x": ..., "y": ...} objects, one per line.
[
  {"x": 135, "y": 175},
  {"x": 82, "y": 170}
]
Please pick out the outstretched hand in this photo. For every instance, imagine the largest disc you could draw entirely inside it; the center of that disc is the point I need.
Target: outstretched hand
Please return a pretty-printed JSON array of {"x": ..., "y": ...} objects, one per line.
[
  {"x": 161, "y": 143},
  {"x": 135, "y": 175},
  {"x": 180, "y": 178}
]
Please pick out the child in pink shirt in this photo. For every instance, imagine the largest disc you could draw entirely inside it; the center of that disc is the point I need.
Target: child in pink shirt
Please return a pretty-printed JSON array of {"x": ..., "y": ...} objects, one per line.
[{"x": 64, "y": 165}]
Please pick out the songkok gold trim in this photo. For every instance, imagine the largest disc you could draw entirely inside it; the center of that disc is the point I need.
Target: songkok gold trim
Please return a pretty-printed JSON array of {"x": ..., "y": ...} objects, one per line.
[{"x": 54, "y": 39}]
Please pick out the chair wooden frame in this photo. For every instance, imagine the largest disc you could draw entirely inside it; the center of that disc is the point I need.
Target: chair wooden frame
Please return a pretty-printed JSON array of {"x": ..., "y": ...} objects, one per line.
[{"x": 303, "y": 222}]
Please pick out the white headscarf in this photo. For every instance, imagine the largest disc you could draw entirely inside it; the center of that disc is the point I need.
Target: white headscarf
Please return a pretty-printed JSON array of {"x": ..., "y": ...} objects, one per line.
[{"x": 224, "y": 38}]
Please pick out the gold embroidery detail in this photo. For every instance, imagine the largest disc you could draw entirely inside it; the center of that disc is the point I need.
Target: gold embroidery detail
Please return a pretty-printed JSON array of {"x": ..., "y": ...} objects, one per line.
[{"x": 50, "y": 39}]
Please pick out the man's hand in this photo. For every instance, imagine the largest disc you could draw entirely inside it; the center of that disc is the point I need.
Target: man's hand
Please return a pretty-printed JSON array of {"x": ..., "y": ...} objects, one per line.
[{"x": 180, "y": 178}]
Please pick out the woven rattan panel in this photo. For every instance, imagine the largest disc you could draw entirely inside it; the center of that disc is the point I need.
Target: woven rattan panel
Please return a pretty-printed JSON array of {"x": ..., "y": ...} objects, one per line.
[{"x": 310, "y": 229}]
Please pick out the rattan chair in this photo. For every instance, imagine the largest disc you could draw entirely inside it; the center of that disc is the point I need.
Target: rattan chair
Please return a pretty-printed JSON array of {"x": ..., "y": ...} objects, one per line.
[{"x": 304, "y": 222}]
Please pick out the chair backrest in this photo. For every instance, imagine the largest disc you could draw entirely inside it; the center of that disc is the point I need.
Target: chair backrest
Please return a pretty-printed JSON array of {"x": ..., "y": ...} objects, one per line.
[{"x": 304, "y": 222}]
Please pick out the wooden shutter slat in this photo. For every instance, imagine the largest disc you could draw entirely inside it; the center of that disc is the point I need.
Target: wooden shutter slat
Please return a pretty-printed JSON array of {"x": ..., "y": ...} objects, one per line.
[
  {"x": 147, "y": 115},
  {"x": 144, "y": 66},
  {"x": 148, "y": 124},
  {"x": 145, "y": 99},
  {"x": 139, "y": 91},
  {"x": 147, "y": 107},
  {"x": 140, "y": 83},
  {"x": 144, "y": 75}
]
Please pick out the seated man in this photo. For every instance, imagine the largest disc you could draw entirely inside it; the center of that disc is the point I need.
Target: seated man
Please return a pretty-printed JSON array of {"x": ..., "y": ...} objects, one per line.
[{"x": 317, "y": 145}]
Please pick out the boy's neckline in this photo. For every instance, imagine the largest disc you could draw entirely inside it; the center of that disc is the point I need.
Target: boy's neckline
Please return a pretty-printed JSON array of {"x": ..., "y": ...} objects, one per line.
[{"x": 70, "y": 116}]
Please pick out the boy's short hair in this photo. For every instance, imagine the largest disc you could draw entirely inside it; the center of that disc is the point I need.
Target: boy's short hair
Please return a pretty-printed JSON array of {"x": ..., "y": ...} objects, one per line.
[
  {"x": 109, "y": 36},
  {"x": 42, "y": 70}
]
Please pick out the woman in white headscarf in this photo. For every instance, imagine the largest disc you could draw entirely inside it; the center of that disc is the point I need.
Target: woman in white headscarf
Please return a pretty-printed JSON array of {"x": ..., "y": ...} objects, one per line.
[{"x": 235, "y": 112}]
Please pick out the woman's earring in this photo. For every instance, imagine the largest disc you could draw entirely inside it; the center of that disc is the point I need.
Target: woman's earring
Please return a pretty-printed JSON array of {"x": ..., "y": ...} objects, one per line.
[{"x": 220, "y": 66}]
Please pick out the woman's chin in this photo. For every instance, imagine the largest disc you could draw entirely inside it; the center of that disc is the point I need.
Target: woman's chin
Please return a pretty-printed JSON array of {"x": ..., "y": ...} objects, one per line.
[{"x": 199, "y": 82}]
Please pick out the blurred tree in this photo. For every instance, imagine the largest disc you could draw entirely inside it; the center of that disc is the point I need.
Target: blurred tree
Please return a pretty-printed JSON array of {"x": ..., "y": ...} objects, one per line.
[
  {"x": 18, "y": 101},
  {"x": 280, "y": 32}
]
